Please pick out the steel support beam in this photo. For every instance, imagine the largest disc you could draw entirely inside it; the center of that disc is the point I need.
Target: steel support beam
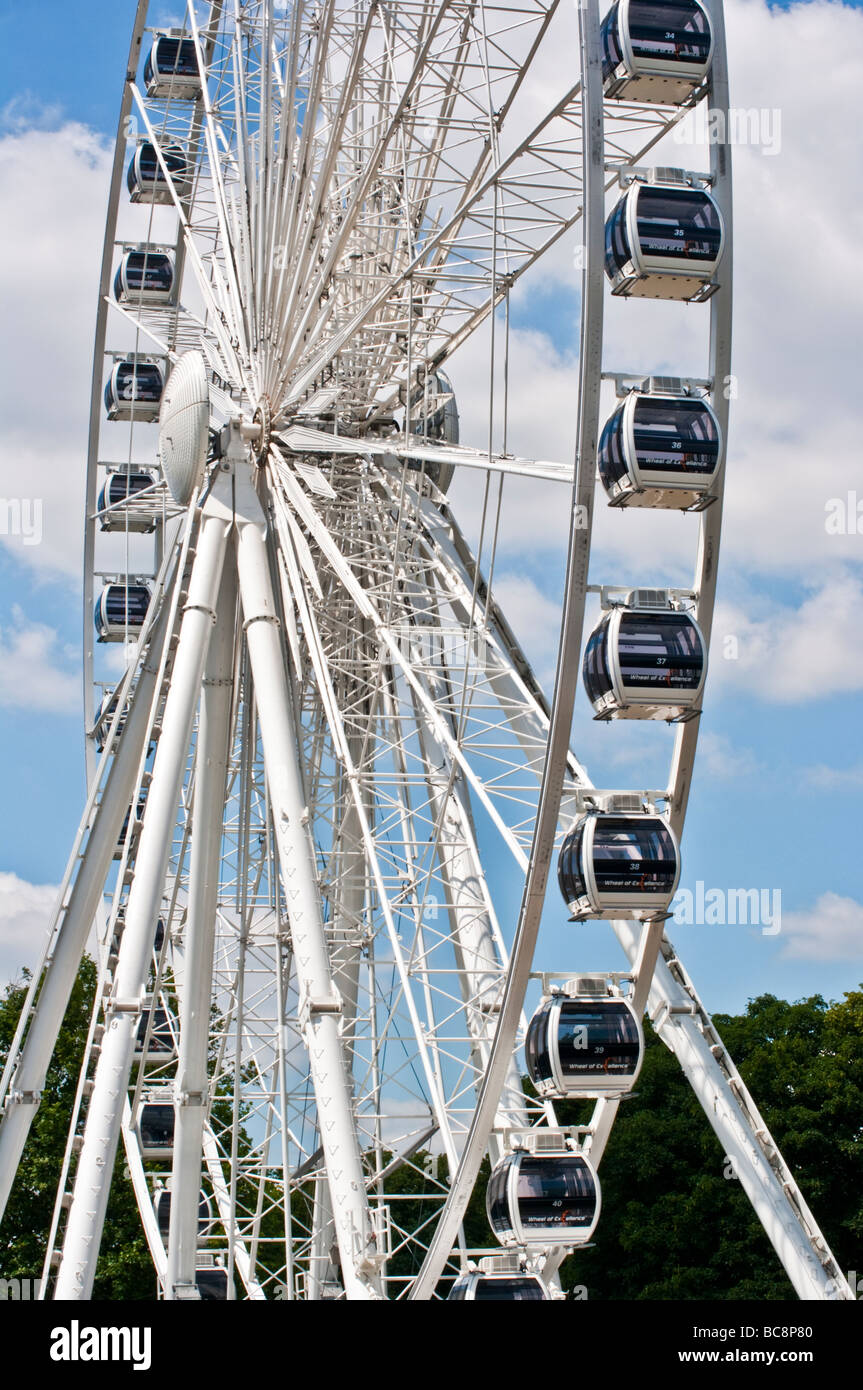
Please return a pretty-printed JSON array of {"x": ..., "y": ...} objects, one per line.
[
  {"x": 191, "y": 1086},
  {"x": 123, "y": 1008},
  {"x": 320, "y": 1004}
]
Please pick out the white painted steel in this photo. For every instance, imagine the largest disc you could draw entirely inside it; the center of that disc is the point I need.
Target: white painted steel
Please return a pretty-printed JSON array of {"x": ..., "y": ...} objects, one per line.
[{"x": 96, "y": 1161}]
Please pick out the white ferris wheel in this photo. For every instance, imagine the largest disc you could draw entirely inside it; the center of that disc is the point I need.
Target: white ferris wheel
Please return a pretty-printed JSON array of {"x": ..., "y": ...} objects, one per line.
[{"x": 325, "y": 742}]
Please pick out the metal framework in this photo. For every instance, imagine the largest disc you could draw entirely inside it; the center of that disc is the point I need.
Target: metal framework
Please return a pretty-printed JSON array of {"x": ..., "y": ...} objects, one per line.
[{"x": 325, "y": 747}]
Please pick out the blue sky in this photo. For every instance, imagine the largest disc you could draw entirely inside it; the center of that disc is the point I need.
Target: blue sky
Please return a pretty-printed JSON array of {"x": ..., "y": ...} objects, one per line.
[{"x": 776, "y": 800}]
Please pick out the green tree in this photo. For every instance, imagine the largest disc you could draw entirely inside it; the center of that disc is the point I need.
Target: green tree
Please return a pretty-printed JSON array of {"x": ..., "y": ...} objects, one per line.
[
  {"x": 125, "y": 1270},
  {"x": 675, "y": 1223}
]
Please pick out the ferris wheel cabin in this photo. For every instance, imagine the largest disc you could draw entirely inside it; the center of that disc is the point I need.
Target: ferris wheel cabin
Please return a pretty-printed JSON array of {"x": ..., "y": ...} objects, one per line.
[
  {"x": 543, "y": 1199},
  {"x": 660, "y": 450},
  {"x": 134, "y": 389},
  {"x": 476, "y": 1286},
  {"x": 613, "y": 865},
  {"x": 140, "y": 806},
  {"x": 120, "y": 611},
  {"x": 120, "y": 489},
  {"x": 584, "y": 1045},
  {"x": 211, "y": 1282},
  {"x": 645, "y": 663},
  {"x": 655, "y": 50},
  {"x": 105, "y": 718},
  {"x": 171, "y": 70},
  {"x": 144, "y": 277},
  {"x": 161, "y": 1040},
  {"x": 162, "y": 1209},
  {"x": 434, "y": 415},
  {"x": 146, "y": 180},
  {"x": 664, "y": 240},
  {"x": 156, "y": 1125}
]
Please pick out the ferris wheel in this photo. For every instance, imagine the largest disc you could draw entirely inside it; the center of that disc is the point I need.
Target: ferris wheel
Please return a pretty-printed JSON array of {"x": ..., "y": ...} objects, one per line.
[{"x": 315, "y": 744}]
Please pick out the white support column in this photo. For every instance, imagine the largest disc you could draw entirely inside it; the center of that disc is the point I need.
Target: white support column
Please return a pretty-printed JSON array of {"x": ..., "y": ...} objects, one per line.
[
  {"x": 211, "y": 768},
  {"x": 320, "y": 1005},
  {"x": 323, "y": 1272},
  {"x": 123, "y": 1010},
  {"x": 77, "y": 918},
  {"x": 348, "y": 904},
  {"x": 779, "y": 1206}
]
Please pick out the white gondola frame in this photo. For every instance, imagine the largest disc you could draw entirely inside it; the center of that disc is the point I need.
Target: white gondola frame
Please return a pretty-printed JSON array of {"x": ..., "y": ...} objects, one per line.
[
  {"x": 131, "y": 296},
  {"x": 170, "y": 86},
  {"x": 472, "y": 1278},
  {"x": 652, "y": 487},
  {"x": 593, "y": 903},
  {"x": 121, "y": 515},
  {"x": 152, "y": 1152},
  {"x": 124, "y": 409},
  {"x": 659, "y": 80},
  {"x": 650, "y": 276},
  {"x": 546, "y": 1237},
  {"x": 160, "y": 190},
  {"x": 564, "y": 1087},
  {"x": 623, "y": 703}
]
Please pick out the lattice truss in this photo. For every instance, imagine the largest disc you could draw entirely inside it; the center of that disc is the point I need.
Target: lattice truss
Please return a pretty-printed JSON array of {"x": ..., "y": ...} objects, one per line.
[
  {"x": 363, "y": 185},
  {"x": 361, "y": 199}
]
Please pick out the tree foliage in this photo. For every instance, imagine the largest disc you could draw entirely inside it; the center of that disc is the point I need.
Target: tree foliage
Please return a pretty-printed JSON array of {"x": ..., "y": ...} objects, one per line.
[
  {"x": 675, "y": 1222},
  {"x": 125, "y": 1270}
]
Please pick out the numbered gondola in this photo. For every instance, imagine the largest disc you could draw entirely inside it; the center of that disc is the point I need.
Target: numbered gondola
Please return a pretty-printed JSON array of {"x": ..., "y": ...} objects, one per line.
[
  {"x": 583, "y": 1046},
  {"x": 160, "y": 1043},
  {"x": 644, "y": 664},
  {"x": 162, "y": 1208},
  {"x": 614, "y": 865},
  {"x": 434, "y": 416},
  {"x": 115, "y": 496},
  {"x": 156, "y": 1125},
  {"x": 543, "y": 1199},
  {"x": 475, "y": 1286},
  {"x": 140, "y": 805},
  {"x": 655, "y": 50},
  {"x": 211, "y": 1282},
  {"x": 664, "y": 240},
  {"x": 147, "y": 179},
  {"x": 171, "y": 69},
  {"x": 134, "y": 389},
  {"x": 120, "y": 611},
  {"x": 144, "y": 277},
  {"x": 660, "y": 451}
]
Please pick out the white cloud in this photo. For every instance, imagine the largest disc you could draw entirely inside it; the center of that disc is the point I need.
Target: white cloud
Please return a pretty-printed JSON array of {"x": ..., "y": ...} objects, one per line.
[
  {"x": 723, "y": 759},
  {"x": 53, "y": 191},
  {"x": 831, "y": 930},
  {"x": 534, "y": 618},
  {"x": 25, "y": 915},
  {"x": 36, "y": 671},
  {"x": 798, "y": 306},
  {"x": 790, "y": 654},
  {"x": 834, "y": 778}
]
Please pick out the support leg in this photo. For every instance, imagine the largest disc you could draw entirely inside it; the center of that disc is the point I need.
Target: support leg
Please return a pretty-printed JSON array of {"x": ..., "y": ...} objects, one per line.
[
  {"x": 104, "y": 1115},
  {"x": 319, "y": 1003},
  {"x": 200, "y": 938},
  {"x": 77, "y": 920}
]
